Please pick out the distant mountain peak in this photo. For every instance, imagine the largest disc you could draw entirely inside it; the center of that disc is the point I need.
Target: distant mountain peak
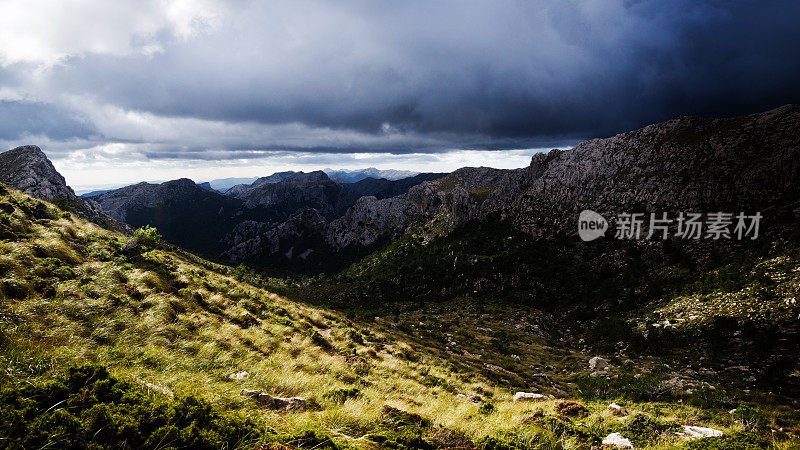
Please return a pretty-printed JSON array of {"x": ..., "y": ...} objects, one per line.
[{"x": 355, "y": 175}]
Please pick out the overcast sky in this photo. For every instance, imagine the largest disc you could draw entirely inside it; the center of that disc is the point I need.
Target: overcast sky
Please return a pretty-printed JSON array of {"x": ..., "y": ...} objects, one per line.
[{"x": 121, "y": 91}]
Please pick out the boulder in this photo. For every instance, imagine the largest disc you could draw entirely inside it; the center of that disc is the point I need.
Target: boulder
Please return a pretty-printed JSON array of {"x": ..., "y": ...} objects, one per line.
[
  {"x": 598, "y": 363},
  {"x": 690, "y": 432},
  {"x": 296, "y": 404},
  {"x": 617, "y": 440},
  {"x": 529, "y": 397}
]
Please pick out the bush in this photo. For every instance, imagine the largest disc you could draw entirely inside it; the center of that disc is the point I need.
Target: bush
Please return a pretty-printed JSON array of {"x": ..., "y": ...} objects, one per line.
[
  {"x": 147, "y": 237},
  {"x": 486, "y": 408},
  {"x": 64, "y": 204},
  {"x": 752, "y": 419},
  {"x": 735, "y": 441},
  {"x": 433, "y": 381},
  {"x": 645, "y": 388},
  {"x": 643, "y": 430},
  {"x": 402, "y": 430},
  {"x": 88, "y": 408}
]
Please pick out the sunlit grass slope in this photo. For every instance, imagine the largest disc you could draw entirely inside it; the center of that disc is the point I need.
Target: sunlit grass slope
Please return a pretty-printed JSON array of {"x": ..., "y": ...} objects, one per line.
[{"x": 171, "y": 330}]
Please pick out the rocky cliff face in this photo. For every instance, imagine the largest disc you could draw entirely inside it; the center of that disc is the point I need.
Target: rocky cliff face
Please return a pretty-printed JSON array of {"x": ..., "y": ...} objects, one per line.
[
  {"x": 748, "y": 163},
  {"x": 295, "y": 242},
  {"x": 27, "y": 169},
  {"x": 687, "y": 164}
]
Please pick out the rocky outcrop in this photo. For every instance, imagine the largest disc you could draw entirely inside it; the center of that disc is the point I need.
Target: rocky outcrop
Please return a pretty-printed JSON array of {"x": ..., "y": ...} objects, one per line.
[
  {"x": 687, "y": 164},
  {"x": 693, "y": 432},
  {"x": 529, "y": 397},
  {"x": 27, "y": 169},
  {"x": 371, "y": 219},
  {"x": 293, "y": 404},
  {"x": 343, "y": 215},
  {"x": 616, "y": 440},
  {"x": 597, "y": 363},
  {"x": 298, "y": 237}
]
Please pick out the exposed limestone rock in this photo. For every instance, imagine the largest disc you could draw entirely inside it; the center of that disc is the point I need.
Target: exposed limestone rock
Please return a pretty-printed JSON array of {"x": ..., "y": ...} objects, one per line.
[
  {"x": 27, "y": 169},
  {"x": 239, "y": 376},
  {"x": 690, "y": 432},
  {"x": 529, "y": 397},
  {"x": 617, "y": 440},
  {"x": 294, "y": 404},
  {"x": 598, "y": 363}
]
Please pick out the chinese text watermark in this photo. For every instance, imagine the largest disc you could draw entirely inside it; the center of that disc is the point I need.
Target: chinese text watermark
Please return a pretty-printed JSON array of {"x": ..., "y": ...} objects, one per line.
[{"x": 683, "y": 225}]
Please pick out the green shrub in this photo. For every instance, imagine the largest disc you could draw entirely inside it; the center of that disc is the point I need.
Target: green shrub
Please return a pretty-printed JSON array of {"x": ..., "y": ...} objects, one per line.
[
  {"x": 735, "y": 441},
  {"x": 399, "y": 429},
  {"x": 643, "y": 430},
  {"x": 486, "y": 408},
  {"x": 707, "y": 398},
  {"x": 645, "y": 388},
  {"x": 64, "y": 204},
  {"x": 147, "y": 236},
  {"x": 752, "y": 419},
  {"x": 88, "y": 408},
  {"x": 432, "y": 381}
]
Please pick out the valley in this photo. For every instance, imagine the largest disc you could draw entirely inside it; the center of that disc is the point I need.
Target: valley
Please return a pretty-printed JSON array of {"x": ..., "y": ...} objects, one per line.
[{"x": 410, "y": 313}]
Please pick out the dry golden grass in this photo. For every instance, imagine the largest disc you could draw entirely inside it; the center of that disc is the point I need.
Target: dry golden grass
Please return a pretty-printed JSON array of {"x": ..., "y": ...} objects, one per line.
[{"x": 163, "y": 319}]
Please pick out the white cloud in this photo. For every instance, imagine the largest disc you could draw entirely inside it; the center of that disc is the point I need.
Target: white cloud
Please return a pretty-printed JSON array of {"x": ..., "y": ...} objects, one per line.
[{"x": 46, "y": 32}]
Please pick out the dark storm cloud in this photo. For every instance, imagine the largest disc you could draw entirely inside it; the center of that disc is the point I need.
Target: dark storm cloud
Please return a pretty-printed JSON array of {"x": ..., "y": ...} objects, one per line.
[{"x": 468, "y": 74}]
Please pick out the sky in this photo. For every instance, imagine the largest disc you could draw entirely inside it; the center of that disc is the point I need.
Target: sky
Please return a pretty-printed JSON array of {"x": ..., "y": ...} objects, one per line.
[{"x": 130, "y": 90}]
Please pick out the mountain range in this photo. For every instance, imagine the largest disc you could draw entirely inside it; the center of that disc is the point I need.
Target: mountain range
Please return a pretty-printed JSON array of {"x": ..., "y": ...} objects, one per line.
[
  {"x": 277, "y": 221},
  {"x": 481, "y": 270}
]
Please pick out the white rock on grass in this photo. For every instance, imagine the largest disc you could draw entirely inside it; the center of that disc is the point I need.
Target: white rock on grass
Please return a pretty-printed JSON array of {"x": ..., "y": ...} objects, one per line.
[
  {"x": 617, "y": 440},
  {"x": 160, "y": 389},
  {"x": 699, "y": 432},
  {"x": 239, "y": 376},
  {"x": 598, "y": 363},
  {"x": 529, "y": 397},
  {"x": 277, "y": 403}
]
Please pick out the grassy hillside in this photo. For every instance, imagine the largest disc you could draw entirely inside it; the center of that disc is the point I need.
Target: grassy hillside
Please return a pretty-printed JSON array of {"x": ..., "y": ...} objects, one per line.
[{"x": 107, "y": 341}]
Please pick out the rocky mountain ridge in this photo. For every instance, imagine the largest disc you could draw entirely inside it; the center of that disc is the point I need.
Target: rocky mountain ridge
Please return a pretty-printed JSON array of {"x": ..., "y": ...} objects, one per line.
[
  {"x": 26, "y": 168},
  {"x": 686, "y": 164},
  {"x": 249, "y": 219}
]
